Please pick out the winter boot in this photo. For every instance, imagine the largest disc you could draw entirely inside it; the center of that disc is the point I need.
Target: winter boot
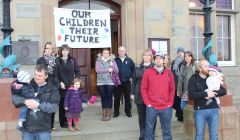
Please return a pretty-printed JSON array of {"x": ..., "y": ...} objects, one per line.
[
  {"x": 70, "y": 128},
  {"x": 77, "y": 127},
  {"x": 109, "y": 114},
  {"x": 104, "y": 114}
]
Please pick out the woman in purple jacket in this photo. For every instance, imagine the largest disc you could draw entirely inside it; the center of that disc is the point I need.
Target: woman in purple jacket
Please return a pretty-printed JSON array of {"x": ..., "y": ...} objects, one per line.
[{"x": 73, "y": 104}]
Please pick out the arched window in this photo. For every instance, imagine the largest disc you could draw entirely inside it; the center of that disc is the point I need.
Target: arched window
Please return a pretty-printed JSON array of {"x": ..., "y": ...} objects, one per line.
[{"x": 91, "y": 5}]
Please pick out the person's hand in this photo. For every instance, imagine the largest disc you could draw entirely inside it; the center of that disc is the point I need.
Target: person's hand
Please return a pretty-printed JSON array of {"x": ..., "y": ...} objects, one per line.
[
  {"x": 111, "y": 63},
  {"x": 62, "y": 85},
  {"x": 132, "y": 97},
  {"x": 17, "y": 86},
  {"x": 31, "y": 104},
  {"x": 211, "y": 94},
  {"x": 88, "y": 103},
  {"x": 178, "y": 94},
  {"x": 149, "y": 105},
  {"x": 110, "y": 69},
  {"x": 66, "y": 108},
  {"x": 215, "y": 93}
]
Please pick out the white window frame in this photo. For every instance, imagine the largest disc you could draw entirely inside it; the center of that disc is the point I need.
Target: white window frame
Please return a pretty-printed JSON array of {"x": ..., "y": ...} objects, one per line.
[{"x": 233, "y": 44}]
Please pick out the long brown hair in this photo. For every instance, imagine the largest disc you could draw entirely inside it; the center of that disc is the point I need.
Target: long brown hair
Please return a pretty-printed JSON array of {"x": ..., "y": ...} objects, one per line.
[
  {"x": 189, "y": 53},
  {"x": 169, "y": 63},
  {"x": 64, "y": 47},
  {"x": 147, "y": 52}
]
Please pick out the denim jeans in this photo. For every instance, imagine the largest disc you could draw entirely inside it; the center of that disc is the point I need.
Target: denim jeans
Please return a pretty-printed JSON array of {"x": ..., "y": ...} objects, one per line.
[
  {"x": 183, "y": 104},
  {"x": 23, "y": 113},
  {"x": 165, "y": 116},
  {"x": 36, "y": 135},
  {"x": 141, "y": 108},
  {"x": 211, "y": 117},
  {"x": 106, "y": 92}
]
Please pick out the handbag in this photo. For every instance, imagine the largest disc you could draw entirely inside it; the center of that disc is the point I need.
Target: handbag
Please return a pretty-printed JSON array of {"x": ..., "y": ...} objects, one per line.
[{"x": 116, "y": 79}]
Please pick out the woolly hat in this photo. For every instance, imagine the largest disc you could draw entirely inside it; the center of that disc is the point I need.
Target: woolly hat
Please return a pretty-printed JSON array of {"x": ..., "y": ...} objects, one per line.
[
  {"x": 159, "y": 54},
  {"x": 152, "y": 51},
  {"x": 23, "y": 76},
  {"x": 213, "y": 68},
  {"x": 180, "y": 49}
]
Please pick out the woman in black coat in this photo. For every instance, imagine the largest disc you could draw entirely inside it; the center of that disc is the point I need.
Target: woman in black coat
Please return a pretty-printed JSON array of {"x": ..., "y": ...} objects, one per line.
[
  {"x": 136, "y": 89},
  {"x": 50, "y": 60},
  {"x": 68, "y": 70}
]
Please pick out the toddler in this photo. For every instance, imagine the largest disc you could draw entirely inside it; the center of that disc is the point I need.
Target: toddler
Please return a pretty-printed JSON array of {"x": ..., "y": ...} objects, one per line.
[
  {"x": 73, "y": 104},
  {"x": 26, "y": 91},
  {"x": 214, "y": 82}
]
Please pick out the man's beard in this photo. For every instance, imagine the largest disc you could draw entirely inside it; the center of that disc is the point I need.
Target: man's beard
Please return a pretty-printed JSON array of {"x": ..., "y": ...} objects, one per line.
[{"x": 205, "y": 72}]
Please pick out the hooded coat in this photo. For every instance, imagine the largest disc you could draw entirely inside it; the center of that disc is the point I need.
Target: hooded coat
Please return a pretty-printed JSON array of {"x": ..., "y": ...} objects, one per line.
[{"x": 104, "y": 77}]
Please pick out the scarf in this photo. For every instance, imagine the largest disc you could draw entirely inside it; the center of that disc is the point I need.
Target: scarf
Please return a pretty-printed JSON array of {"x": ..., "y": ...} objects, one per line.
[{"x": 50, "y": 61}]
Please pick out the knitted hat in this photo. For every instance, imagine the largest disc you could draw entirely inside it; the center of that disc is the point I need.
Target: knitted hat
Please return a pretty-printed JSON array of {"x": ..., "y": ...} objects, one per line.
[
  {"x": 159, "y": 54},
  {"x": 153, "y": 51},
  {"x": 180, "y": 49},
  {"x": 23, "y": 76},
  {"x": 213, "y": 68}
]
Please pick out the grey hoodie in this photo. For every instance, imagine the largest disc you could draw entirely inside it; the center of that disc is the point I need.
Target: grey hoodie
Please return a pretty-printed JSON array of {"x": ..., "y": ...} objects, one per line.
[{"x": 104, "y": 77}]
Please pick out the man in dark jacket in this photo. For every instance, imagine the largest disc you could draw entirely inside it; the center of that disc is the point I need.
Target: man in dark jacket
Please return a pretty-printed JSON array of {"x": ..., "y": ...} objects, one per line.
[
  {"x": 126, "y": 69},
  {"x": 204, "y": 112},
  {"x": 37, "y": 125}
]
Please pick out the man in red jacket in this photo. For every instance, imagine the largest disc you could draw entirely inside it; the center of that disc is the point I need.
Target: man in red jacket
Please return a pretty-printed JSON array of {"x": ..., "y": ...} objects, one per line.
[{"x": 158, "y": 93}]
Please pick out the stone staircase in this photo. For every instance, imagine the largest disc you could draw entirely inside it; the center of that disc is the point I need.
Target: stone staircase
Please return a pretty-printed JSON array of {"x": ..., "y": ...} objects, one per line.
[{"x": 121, "y": 128}]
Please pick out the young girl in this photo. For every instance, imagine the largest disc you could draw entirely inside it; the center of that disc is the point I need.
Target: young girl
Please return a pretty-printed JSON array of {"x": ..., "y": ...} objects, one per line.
[{"x": 73, "y": 104}]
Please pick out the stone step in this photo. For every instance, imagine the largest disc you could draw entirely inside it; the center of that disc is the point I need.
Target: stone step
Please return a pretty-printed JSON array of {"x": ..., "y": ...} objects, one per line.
[{"x": 121, "y": 128}]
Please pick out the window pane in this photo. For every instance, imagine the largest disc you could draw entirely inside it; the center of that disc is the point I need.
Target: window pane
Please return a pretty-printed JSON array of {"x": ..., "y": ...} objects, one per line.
[
  {"x": 193, "y": 46},
  {"x": 224, "y": 4},
  {"x": 227, "y": 49},
  {"x": 195, "y": 4},
  {"x": 192, "y": 24},
  {"x": 200, "y": 22},
  {"x": 219, "y": 50},
  {"x": 219, "y": 25},
  {"x": 196, "y": 34},
  {"x": 226, "y": 26},
  {"x": 200, "y": 47},
  {"x": 224, "y": 38}
]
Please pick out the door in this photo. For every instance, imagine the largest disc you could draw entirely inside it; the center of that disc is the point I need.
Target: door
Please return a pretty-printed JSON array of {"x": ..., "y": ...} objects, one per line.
[
  {"x": 86, "y": 57},
  {"x": 83, "y": 59}
]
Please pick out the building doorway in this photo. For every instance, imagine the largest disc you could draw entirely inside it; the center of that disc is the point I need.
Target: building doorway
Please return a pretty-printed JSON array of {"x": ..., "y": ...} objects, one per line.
[{"x": 86, "y": 57}]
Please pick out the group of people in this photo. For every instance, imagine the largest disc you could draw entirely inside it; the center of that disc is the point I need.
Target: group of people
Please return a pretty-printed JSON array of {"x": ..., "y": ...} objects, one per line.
[
  {"x": 56, "y": 82},
  {"x": 156, "y": 86},
  {"x": 159, "y": 85}
]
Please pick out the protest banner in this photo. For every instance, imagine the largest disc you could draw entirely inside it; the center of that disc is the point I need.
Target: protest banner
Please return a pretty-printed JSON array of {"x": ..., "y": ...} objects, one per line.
[{"x": 82, "y": 28}]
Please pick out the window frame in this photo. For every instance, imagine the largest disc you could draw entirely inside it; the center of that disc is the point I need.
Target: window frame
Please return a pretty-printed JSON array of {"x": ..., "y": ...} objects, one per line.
[
  {"x": 218, "y": 11},
  {"x": 233, "y": 39}
]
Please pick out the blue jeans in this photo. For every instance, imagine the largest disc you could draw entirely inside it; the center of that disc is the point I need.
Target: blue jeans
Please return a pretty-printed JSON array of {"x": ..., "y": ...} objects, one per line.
[
  {"x": 165, "y": 117},
  {"x": 183, "y": 104},
  {"x": 36, "y": 135},
  {"x": 106, "y": 92},
  {"x": 211, "y": 117},
  {"x": 141, "y": 108},
  {"x": 23, "y": 113}
]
